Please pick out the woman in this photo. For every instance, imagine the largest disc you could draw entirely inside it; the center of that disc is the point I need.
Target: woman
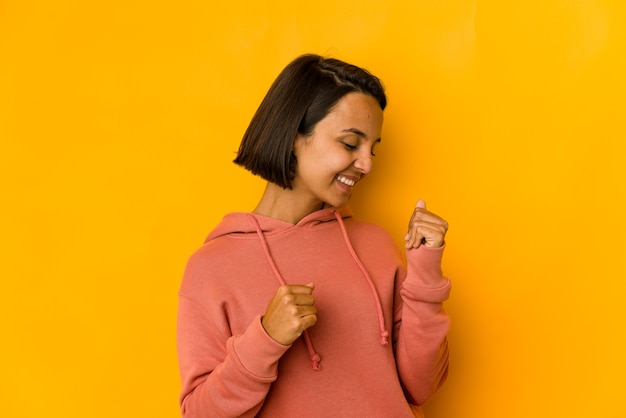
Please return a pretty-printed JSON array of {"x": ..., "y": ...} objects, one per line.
[{"x": 297, "y": 309}]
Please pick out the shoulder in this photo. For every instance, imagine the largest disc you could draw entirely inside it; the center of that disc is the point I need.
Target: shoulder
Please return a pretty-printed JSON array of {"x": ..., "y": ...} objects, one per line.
[
  {"x": 360, "y": 228},
  {"x": 214, "y": 264},
  {"x": 370, "y": 236}
]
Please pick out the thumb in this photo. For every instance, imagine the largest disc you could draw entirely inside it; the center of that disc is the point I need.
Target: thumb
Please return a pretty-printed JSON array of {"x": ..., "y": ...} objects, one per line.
[{"x": 419, "y": 205}]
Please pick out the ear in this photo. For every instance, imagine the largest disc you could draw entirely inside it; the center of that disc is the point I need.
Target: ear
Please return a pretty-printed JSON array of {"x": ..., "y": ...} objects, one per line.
[{"x": 298, "y": 143}]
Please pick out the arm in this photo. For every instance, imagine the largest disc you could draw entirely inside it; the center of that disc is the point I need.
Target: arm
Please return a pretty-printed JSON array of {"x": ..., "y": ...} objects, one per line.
[
  {"x": 228, "y": 364},
  {"x": 420, "y": 323},
  {"x": 223, "y": 375}
]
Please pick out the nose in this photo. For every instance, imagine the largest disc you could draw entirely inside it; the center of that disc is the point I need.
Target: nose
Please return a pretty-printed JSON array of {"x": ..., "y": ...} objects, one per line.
[{"x": 363, "y": 163}]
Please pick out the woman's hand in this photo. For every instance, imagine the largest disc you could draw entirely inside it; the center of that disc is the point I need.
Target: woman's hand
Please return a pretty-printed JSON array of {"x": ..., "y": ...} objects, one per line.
[
  {"x": 425, "y": 228},
  {"x": 290, "y": 312}
]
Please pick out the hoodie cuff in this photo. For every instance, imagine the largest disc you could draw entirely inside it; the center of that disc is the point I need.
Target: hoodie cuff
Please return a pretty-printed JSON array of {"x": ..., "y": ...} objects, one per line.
[
  {"x": 257, "y": 352},
  {"x": 424, "y": 279}
]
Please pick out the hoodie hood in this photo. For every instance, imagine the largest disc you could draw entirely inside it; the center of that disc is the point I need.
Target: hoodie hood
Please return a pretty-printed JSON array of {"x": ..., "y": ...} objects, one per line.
[{"x": 239, "y": 222}]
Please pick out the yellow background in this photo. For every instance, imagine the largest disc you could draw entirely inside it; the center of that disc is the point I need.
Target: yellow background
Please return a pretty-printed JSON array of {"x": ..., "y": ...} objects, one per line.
[{"x": 118, "y": 122}]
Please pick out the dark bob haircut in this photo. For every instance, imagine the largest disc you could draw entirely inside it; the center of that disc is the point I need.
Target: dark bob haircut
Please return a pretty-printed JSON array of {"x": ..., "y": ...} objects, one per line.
[{"x": 302, "y": 95}]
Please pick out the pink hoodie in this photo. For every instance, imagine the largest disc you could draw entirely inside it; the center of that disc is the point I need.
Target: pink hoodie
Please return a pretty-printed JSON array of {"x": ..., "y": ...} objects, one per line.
[{"x": 342, "y": 367}]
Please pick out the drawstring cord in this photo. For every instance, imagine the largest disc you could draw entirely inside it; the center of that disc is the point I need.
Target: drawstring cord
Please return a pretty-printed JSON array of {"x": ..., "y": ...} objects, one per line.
[
  {"x": 315, "y": 358},
  {"x": 384, "y": 334}
]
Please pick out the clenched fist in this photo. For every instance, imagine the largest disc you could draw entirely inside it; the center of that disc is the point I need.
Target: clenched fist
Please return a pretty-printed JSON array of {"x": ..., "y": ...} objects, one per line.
[
  {"x": 290, "y": 312},
  {"x": 425, "y": 228}
]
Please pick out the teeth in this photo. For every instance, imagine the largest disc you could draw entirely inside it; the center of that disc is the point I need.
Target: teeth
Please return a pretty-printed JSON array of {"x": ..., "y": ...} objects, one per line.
[{"x": 346, "y": 181}]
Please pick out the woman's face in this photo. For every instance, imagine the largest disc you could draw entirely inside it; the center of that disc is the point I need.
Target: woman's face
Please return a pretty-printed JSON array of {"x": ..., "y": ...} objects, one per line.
[{"x": 338, "y": 154}]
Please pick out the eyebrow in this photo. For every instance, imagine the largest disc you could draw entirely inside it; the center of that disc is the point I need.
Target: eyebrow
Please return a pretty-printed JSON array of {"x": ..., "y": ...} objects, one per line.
[
  {"x": 358, "y": 133},
  {"x": 354, "y": 131}
]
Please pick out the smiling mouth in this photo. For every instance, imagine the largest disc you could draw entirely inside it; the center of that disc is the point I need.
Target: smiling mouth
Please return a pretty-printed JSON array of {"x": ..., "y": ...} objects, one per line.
[{"x": 346, "y": 181}]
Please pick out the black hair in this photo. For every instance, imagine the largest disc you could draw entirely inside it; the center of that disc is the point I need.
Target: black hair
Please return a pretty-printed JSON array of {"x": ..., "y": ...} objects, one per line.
[{"x": 302, "y": 95}]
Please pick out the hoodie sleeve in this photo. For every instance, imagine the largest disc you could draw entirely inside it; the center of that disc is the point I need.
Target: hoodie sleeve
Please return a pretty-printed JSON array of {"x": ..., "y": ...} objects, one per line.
[
  {"x": 421, "y": 324},
  {"x": 223, "y": 375}
]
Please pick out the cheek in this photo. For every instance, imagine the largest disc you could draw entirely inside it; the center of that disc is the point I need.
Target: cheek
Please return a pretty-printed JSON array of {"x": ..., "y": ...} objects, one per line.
[
  {"x": 340, "y": 161},
  {"x": 316, "y": 161},
  {"x": 308, "y": 166},
  {"x": 331, "y": 164}
]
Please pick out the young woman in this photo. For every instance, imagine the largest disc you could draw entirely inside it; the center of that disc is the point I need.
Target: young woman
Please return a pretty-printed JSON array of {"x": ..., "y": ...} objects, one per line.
[{"x": 297, "y": 309}]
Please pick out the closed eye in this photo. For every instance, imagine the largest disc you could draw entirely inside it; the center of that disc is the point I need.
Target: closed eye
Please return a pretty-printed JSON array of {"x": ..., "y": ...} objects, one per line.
[{"x": 349, "y": 147}]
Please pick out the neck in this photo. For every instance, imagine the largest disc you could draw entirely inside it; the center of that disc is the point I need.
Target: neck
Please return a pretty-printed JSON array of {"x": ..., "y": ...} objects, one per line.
[{"x": 285, "y": 205}]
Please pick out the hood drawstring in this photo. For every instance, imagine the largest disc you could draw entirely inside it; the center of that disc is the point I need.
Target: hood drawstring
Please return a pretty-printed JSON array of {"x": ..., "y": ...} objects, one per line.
[
  {"x": 315, "y": 358},
  {"x": 384, "y": 334}
]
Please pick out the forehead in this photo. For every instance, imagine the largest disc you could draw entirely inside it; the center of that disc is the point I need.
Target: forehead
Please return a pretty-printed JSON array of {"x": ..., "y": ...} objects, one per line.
[{"x": 355, "y": 112}]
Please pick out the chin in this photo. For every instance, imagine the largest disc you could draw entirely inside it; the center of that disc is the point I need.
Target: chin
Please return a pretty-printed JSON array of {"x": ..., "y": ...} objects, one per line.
[{"x": 337, "y": 203}]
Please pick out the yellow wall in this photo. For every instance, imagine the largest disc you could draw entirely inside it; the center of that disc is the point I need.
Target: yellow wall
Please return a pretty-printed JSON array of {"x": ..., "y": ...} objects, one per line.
[{"x": 118, "y": 122}]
